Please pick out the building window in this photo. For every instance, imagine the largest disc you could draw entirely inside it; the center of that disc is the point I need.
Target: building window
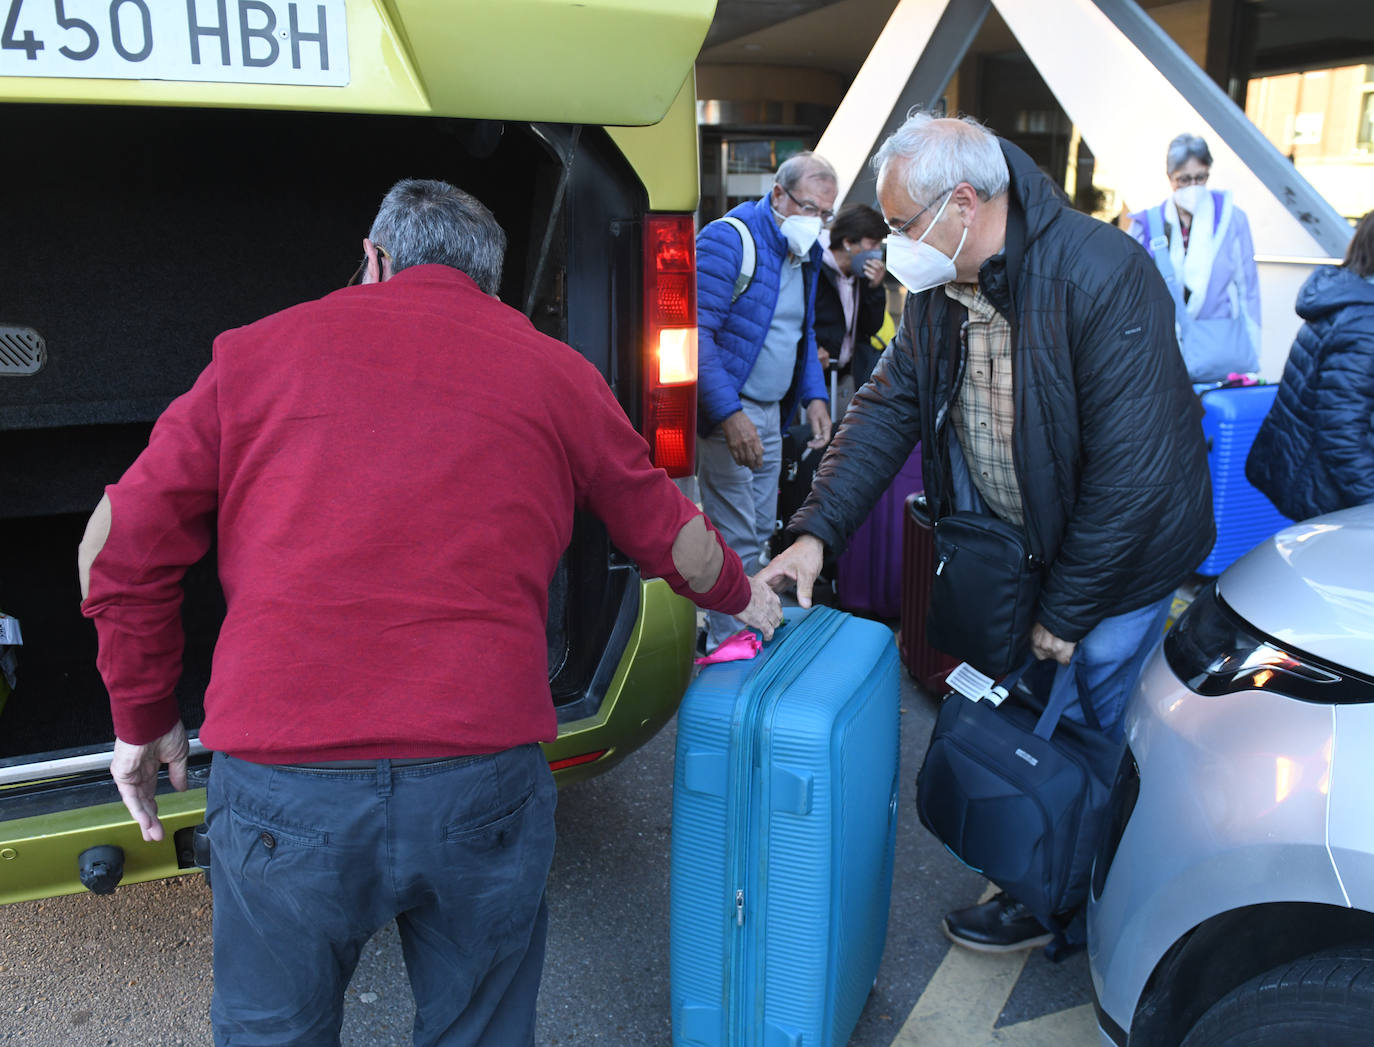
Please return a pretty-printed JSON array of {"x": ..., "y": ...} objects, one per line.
[{"x": 1364, "y": 131}]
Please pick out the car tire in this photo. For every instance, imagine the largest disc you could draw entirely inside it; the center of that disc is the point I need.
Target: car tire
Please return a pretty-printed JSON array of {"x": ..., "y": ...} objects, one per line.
[{"x": 1322, "y": 1000}]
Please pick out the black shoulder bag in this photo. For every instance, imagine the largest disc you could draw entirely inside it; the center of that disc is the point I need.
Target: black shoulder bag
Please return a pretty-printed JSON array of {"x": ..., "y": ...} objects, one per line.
[
  {"x": 986, "y": 584},
  {"x": 984, "y": 593}
]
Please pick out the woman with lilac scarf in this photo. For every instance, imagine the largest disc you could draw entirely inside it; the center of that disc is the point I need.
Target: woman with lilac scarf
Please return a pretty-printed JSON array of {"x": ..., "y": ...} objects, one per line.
[{"x": 1201, "y": 243}]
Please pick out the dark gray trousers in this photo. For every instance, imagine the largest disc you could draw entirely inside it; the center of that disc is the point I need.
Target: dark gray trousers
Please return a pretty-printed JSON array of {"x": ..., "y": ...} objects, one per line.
[{"x": 307, "y": 863}]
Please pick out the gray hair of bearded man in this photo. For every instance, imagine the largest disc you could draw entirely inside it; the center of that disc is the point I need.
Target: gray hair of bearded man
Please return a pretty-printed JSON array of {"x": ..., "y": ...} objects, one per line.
[
  {"x": 941, "y": 152},
  {"x": 424, "y": 222}
]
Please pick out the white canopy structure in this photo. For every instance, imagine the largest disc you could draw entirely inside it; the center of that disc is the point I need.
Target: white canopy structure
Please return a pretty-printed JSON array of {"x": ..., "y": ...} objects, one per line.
[{"x": 1129, "y": 89}]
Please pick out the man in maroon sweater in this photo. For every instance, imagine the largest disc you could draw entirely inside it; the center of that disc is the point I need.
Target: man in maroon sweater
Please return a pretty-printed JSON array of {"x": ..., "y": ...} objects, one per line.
[{"x": 391, "y": 473}]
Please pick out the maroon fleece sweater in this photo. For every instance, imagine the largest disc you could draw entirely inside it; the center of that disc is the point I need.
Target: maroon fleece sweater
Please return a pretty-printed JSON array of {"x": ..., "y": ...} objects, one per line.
[{"x": 391, "y": 472}]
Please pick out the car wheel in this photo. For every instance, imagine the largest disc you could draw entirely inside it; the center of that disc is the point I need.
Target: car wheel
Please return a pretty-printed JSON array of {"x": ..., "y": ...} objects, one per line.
[{"x": 1323, "y": 1000}]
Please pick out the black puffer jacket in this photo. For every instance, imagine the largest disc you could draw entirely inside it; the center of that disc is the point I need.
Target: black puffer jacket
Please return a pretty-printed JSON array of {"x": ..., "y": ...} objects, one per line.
[
  {"x": 830, "y": 325},
  {"x": 1314, "y": 453},
  {"x": 1107, "y": 441}
]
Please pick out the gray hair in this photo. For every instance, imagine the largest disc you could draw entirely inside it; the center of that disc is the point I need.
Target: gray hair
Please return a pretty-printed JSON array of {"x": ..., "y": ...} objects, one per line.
[
  {"x": 941, "y": 152},
  {"x": 803, "y": 165},
  {"x": 424, "y": 222},
  {"x": 1184, "y": 148}
]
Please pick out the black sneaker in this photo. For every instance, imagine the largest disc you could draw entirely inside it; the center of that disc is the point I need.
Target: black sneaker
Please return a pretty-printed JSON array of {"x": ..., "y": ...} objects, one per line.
[{"x": 999, "y": 925}]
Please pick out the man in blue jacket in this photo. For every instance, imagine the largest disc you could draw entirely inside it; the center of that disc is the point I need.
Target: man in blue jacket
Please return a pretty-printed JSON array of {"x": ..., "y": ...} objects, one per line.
[{"x": 756, "y": 294}]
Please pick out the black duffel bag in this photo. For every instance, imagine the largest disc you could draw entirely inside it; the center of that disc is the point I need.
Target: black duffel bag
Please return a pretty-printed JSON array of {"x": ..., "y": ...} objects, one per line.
[{"x": 1020, "y": 795}]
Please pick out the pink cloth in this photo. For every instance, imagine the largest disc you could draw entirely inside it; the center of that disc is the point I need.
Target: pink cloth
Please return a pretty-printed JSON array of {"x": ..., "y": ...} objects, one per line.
[{"x": 740, "y": 647}]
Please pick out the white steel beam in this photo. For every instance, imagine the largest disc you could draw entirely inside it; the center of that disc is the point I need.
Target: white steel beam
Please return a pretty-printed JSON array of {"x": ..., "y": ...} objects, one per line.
[
  {"x": 859, "y": 122},
  {"x": 1129, "y": 88}
]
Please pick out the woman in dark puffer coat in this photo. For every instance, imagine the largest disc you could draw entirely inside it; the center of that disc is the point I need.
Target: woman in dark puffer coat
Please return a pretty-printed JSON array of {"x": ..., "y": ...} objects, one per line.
[{"x": 1314, "y": 453}]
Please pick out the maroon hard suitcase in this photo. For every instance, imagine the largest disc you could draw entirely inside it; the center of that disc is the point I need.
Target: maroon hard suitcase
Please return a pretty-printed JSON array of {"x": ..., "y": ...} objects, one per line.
[
  {"x": 869, "y": 573},
  {"x": 927, "y": 666}
]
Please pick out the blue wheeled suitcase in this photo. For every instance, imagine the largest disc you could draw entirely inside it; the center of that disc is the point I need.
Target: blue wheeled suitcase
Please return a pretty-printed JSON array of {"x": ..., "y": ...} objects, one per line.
[
  {"x": 784, "y": 823},
  {"x": 1245, "y": 516}
]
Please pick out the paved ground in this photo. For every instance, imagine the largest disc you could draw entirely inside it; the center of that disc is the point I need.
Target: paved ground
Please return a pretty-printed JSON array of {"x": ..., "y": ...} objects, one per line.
[{"x": 134, "y": 968}]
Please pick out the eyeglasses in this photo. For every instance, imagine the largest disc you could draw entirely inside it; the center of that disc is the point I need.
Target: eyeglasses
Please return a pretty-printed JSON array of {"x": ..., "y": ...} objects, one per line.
[
  {"x": 898, "y": 230},
  {"x": 361, "y": 271},
  {"x": 1182, "y": 180},
  {"x": 809, "y": 209}
]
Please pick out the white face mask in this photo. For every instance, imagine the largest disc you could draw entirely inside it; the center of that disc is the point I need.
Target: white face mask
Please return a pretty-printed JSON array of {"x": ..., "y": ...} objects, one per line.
[
  {"x": 1189, "y": 197},
  {"x": 919, "y": 265},
  {"x": 801, "y": 232}
]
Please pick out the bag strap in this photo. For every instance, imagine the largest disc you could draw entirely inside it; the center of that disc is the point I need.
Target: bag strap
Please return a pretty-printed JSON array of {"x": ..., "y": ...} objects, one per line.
[
  {"x": 1067, "y": 686},
  {"x": 748, "y": 260}
]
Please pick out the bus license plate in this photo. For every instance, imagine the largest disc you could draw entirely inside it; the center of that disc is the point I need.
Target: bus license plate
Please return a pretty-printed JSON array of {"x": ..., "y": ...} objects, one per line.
[{"x": 299, "y": 42}]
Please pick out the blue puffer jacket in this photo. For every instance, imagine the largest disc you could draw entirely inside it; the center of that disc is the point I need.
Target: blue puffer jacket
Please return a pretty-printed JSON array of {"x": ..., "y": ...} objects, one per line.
[
  {"x": 1314, "y": 453},
  {"x": 731, "y": 336}
]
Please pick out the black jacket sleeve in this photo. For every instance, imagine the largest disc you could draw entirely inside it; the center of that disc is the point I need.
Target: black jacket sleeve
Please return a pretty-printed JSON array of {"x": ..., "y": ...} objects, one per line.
[{"x": 1344, "y": 412}]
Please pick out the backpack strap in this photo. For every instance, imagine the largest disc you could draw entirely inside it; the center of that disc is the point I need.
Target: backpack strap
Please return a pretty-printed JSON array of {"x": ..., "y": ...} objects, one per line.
[
  {"x": 1158, "y": 241},
  {"x": 746, "y": 266},
  {"x": 1159, "y": 249}
]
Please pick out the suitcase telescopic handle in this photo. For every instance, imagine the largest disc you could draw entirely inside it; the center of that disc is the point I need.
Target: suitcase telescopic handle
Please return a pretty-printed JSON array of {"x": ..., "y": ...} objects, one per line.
[{"x": 919, "y": 509}]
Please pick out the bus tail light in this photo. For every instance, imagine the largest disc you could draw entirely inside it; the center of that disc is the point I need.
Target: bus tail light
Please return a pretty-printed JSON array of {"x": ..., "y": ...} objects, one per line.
[{"x": 670, "y": 342}]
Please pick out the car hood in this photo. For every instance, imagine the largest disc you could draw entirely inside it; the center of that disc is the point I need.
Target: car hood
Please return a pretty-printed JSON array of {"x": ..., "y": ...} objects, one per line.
[{"x": 1311, "y": 587}]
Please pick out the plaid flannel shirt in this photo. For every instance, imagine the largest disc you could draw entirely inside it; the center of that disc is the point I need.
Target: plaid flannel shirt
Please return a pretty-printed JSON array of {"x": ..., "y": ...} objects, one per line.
[{"x": 985, "y": 408}]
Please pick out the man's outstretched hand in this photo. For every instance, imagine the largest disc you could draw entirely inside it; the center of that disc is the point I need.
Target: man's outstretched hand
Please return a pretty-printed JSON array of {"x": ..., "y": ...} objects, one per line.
[
  {"x": 764, "y": 612},
  {"x": 798, "y": 565},
  {"x": 135, "y": 768}
]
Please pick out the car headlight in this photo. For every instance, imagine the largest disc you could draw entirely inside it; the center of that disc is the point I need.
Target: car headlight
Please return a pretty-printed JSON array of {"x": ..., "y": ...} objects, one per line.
[{"x": 1214, "y": 651}]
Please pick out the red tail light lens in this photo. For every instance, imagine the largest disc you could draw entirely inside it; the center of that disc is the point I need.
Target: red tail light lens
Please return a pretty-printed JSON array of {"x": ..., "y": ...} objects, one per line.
[
  {"x": 578, "y": 761},
  {"x": 670, "y": 342}
]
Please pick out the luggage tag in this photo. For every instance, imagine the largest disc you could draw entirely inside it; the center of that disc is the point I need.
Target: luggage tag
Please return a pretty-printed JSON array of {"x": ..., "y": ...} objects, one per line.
[{"x": 976, "y": 686}]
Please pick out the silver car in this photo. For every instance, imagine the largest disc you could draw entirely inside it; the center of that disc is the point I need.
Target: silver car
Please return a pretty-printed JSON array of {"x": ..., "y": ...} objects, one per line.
[{"x": 1233, "y": 897}]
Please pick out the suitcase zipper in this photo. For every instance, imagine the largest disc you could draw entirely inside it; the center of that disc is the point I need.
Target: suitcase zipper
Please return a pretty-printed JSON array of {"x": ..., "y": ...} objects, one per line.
[{"x": 818, "y": 623}]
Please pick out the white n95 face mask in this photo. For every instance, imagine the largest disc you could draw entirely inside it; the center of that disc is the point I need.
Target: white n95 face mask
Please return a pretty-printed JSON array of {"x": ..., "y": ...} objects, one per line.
[
  {"x": 1189, "y": 197},
  {"x": 919, "y": 265},
  {"x": 801, "y": 232}
]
